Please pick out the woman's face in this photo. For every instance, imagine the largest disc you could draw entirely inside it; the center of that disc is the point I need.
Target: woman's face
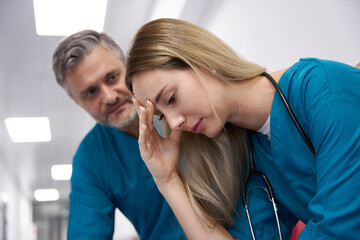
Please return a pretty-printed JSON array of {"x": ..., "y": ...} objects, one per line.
[{"x": 180, "y": 97}]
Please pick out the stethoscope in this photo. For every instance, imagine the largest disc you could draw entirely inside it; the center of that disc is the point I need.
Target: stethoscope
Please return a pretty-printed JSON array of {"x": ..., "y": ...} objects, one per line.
[{"x": 253, "y": 172}]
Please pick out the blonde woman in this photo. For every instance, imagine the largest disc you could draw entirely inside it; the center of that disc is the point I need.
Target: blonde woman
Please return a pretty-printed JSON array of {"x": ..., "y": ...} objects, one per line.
[{"x": 229, "y": 109}]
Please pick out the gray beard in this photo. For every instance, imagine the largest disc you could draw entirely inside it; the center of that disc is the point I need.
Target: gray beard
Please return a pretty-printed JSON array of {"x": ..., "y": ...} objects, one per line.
[{"x": 126, "y": 123}]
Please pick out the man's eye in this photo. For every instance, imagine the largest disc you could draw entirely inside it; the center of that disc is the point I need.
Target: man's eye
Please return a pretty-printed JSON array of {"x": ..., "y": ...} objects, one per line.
[
  {"x": 112, "y": 78},
  {"x": 171, "y": 99},
  {"x": 161, "y": 117},
  {"x": 89, "y": 93}
]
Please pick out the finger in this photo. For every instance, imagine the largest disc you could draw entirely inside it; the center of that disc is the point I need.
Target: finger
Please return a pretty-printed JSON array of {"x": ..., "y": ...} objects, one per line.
[
  {"x": 137, "y": 106},
  {"x": 142, "y": 117},
  {"x": 142, "y": 142},
  {"x": 150, "y": 108},
  {"x": 136, "y": 103},
  {"x": 145, "y": 116}
]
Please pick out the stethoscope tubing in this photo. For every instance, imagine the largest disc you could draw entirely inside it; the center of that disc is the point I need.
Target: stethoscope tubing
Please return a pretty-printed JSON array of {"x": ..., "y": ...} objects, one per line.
[
  {"x": 291, "y": 113},
  {"x": 262, "y": 175}
]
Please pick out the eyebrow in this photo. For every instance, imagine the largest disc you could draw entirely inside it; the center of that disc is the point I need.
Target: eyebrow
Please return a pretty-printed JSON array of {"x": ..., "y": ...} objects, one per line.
[{"x": 158, "y": 96}]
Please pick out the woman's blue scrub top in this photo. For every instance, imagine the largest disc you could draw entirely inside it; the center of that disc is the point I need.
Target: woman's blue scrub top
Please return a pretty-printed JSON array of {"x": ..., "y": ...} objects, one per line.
[{"x": 322, "y": 190}]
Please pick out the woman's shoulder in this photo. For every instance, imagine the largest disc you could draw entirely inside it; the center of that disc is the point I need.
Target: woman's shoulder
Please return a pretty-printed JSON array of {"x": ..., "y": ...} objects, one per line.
[
  {"x": 314, "y": 74},
  {"x": 335, "y": 72}
]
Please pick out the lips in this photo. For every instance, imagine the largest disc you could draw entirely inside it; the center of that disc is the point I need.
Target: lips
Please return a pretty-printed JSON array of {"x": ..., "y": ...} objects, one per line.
[
  {"x": 116, "y": 108},
  {"x": 197, "y": 127}
]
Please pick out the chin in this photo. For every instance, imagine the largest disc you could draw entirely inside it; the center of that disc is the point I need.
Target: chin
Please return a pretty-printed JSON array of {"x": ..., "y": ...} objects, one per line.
[
  {"x": 121, "y": 119},
  {"x": 214, "y": 133},
  {"x": 211, "y": 134},
  {"x": 125, "y": 121}
]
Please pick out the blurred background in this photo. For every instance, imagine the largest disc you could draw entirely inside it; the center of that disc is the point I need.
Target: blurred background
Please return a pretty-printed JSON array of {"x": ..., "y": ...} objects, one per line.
[{"x": 274, "y": 34}]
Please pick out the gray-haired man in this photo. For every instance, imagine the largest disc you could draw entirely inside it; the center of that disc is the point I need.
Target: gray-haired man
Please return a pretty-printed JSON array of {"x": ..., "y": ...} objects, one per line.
[{"x": 108, "y": 171}]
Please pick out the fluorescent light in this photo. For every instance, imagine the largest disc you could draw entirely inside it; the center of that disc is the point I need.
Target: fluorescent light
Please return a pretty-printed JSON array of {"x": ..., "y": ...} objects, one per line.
[
  {"x": 43, "y": 195},
  {"x": 29, "y": 129},
  {"x": 65, "y": 17},
  {"x": 61, "y": 172},
  {"x": 167, "y": 9},
  {"x": 4, "y": 197}
]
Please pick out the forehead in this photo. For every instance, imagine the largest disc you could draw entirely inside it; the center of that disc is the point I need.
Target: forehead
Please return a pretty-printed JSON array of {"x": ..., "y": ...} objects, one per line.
[{"x": 147, "y": 84}]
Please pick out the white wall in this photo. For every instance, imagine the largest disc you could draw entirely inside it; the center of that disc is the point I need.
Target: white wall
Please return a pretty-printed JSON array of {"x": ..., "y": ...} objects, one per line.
[
  {"x": 18, "y": 206},
  {"x": 15, "y": 187},
  {"x": 276, "y": 33}
]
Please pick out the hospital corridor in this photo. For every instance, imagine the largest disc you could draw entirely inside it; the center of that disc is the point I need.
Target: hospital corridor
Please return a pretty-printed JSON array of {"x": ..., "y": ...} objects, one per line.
[{"x": 43, "y": 125}]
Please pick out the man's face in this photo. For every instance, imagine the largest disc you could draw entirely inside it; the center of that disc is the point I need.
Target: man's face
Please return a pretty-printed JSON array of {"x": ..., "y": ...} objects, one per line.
[{"x": 97, "y": 84}]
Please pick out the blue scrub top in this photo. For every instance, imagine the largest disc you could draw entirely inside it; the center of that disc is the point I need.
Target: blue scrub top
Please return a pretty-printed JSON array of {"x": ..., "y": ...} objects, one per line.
[
  {"x": 321, "y": 190},
  {"x": 109, "y": 173}
]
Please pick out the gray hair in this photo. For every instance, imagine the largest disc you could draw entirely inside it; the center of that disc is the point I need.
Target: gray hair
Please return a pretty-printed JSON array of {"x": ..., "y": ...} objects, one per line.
[{"x": 74, "y": 48}]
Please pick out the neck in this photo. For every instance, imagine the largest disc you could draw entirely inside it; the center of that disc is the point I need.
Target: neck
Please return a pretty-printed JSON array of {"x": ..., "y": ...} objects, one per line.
[{"x": 252, "y": 101}]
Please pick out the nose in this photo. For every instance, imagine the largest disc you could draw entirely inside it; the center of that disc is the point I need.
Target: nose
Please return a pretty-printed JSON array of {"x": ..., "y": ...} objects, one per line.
[
  {"x": 109, "y": 95},
  {"x": 175, "y": 121}
]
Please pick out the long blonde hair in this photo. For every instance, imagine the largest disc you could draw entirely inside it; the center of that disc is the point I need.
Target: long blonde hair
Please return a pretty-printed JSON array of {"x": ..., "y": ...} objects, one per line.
[{"x": 212, "y": 169}]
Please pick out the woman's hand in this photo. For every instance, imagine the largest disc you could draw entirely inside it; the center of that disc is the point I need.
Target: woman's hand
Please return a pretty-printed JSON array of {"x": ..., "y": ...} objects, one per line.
[
  {"x": 161, "y": 157},
  {"x": 159, "y": 154}
]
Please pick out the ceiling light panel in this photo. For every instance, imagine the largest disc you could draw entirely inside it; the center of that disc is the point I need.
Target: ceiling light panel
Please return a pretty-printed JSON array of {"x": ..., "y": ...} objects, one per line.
[
  {"x": 65, "y": 17},
  {"x": 61, "y": 172},
  {"x": 28, "y": 129},
  {"x": 43, "y": 195}
]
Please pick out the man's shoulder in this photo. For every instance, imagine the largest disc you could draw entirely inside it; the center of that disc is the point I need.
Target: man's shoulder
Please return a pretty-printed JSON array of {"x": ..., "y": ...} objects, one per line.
[
  {"x": 100, "y": 133},
  {"x": 95, "y": 135},
  {"x": 102, "y": 137}
]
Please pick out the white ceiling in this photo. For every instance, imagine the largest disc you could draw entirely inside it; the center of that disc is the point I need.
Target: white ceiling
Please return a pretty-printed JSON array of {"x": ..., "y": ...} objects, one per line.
[{"x": 28, "y": 87}]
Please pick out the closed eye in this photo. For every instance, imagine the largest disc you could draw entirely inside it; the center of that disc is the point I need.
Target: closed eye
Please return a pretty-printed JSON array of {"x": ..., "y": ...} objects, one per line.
[{"x": 171, "y": 99}]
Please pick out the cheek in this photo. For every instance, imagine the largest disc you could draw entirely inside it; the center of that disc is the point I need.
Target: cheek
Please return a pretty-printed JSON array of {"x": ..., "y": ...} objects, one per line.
[
  {"x": 91, "y": 108},
  {"x": 201, "y": 102}
]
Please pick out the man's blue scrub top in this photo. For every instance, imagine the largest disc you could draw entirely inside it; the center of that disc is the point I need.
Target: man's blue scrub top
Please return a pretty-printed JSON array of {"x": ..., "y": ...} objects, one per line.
[{"x": 109, "y": 173}]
